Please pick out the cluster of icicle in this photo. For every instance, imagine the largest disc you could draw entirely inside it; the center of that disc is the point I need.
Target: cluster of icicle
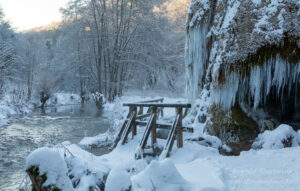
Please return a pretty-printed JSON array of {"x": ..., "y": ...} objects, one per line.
[
  {"x": 196, "y": 59},
  {"x": 255, "y": 87}
]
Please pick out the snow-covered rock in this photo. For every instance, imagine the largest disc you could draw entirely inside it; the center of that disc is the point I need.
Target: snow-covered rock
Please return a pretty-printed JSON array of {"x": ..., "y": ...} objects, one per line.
[
  {"x": 282, "y": 136},
  {"x": 51, "y": 164},
  {"x": 245, "y": 53}
]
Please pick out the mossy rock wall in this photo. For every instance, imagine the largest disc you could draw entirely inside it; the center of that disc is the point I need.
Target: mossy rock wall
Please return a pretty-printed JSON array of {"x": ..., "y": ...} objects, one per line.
[{"x": 232, "y": 125}]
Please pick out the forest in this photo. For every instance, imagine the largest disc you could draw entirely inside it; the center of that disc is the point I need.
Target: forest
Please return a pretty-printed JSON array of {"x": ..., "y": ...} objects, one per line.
[{"x": 99, "y": 46}]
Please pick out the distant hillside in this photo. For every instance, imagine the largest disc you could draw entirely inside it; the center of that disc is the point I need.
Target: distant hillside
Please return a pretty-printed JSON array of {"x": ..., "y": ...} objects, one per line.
[{"x": 52, "y": 26}]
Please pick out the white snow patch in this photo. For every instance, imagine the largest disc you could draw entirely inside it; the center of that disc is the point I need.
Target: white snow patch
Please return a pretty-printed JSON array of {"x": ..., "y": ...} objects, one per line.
[
  {"x": 53, "y": 165},
  {"x": 275, "y": 139},
  {"x": 118, "y": 180},
  {"x": 99, "y": 140},
  {"x": 256, "y": 2},
  {"x": 160, "y": 176}
]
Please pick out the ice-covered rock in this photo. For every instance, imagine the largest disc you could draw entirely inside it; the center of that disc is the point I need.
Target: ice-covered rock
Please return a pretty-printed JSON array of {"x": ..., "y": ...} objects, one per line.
[{"x": 245, "y": 53}]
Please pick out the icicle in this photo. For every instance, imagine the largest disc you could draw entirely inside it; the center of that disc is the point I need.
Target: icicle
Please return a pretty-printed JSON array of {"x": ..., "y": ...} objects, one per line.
[
  {"x": 255, "y": 88},
  {"x": 196, "y": 58}
]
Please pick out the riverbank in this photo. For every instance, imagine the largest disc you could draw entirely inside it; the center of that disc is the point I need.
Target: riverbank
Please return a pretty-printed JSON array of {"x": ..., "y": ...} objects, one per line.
[
  {"x": 27, "y": 132},
  {"x": 196, "y": 166},
  {"x": 11, "y": 105}
]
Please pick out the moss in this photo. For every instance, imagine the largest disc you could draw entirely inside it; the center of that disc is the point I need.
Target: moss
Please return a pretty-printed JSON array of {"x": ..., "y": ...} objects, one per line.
[
  {"x": 220, "y": 121},
  {"x": 242, "y": 126},
  {"x": 232, "y": 124},
  {"x": 38, "y": 180}
]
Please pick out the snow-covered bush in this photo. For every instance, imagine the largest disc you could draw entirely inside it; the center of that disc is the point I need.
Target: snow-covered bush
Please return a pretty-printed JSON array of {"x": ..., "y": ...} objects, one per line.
[
  {"x": 281, "y": 137},
  {"x": 63, "y": 99},
  {"x": 99, "y": 100}
]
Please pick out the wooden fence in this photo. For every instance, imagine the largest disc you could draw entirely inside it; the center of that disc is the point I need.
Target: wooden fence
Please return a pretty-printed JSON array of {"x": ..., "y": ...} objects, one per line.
[{"x": 136, "y": 117}]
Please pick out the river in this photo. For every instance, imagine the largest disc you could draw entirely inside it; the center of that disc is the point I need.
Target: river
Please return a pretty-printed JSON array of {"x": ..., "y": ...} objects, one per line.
[{"x": 28, "y": 132}]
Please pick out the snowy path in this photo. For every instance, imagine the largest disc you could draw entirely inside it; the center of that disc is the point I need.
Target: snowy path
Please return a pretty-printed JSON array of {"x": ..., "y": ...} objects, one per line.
[
  {"x": 253, "y": 170},
  {"x": 199, "y": 168}
]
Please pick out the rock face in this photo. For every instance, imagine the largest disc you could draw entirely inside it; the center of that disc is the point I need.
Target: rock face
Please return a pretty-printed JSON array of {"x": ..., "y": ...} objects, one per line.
[{"x": 246, "y": 53}]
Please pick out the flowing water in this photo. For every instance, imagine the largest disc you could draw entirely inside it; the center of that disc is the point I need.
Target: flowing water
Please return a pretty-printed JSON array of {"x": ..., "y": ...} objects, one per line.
[{"x": 50, "y": 127}]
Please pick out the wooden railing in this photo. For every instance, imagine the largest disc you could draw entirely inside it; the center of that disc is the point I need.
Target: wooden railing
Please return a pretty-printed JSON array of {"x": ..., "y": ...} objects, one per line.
[{"x": 155, "y": 107}]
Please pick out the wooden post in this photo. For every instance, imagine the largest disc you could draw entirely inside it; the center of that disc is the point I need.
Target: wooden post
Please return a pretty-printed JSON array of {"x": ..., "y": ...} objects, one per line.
[
  {"x": 162, "y": 109},
  {"x": 179, "y": 128},
  {"x": 130, "y": 111},
  {"x": 141, "y": 110},
  {"x": 153, "y": 129},
  {"x": 133, "y": 128}
]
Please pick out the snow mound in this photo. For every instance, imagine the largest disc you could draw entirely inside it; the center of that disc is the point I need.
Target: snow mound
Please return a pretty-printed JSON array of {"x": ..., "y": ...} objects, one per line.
[
  {"x": 99, "y": 140},
  {"x": 281, "y": 137},
  {"x": 53, "y": 165},
  {"x": 204, "y": 174},
  {"x": 118, "y": 180},
  {"x": 85, "y": 169},
  {"x": 160, "y": 176}
]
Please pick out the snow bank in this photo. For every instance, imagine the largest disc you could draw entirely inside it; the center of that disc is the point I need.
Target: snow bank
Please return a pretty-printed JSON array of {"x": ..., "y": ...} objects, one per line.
[
  {"x": 282, "y": 136},
  {"x": 9, "y": 106},
  {"x": 204, "y": 174},
  {"x": 87, "y": 171},
  {"x": 118, "y": 180},
  {"x": 50, "y": 163},
  {"x": 99, "y": 140},
  {"x": 160, "y": 176}
]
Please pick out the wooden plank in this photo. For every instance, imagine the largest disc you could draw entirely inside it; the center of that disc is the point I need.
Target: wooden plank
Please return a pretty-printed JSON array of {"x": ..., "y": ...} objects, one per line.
[
  {"x": 177, "y": 105},
  {"x": 153, "y": 100},
  {"x": 141, "y": 111},
  {"x": 171, "y": 139},
  {"x": 143, "y": 116},
  {"x": 127, "y": 128},
  {"x": 147, "y": 132},
  {"x": 153, "y": 127},
  {"x": 133, "y": 126},
  {"x": 179, "y": 128},
  {"x": 165, "y": 126},
  {"x": 120, "y": 134}
]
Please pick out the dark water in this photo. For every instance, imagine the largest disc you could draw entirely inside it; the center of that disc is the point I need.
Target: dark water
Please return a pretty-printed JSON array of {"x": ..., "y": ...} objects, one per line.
[{"x": 50, "y": 127}]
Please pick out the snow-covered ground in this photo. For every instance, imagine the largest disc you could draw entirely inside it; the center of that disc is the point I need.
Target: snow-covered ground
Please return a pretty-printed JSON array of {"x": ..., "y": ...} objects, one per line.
[
  {"x": 11, "y": 105},
  {"x": 195, "y": 167}
]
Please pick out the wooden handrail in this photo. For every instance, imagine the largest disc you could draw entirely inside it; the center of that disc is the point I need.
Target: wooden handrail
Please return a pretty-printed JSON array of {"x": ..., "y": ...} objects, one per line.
[
  {"x": 175, "y": 105},
  {"x": 160, "y": 125},
  {"x": 153, "y": 100},
  {"x": 136, "y": 116}
]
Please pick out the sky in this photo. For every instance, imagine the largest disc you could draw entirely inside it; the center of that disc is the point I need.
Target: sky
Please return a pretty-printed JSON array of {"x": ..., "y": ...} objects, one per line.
[{"x": 27, "y": 14}]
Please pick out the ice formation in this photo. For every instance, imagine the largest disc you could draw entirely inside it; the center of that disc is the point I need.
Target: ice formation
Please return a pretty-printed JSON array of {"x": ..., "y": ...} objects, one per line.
[
  {"x": 223, "y": 37},
  {"x": 276, "y": 77}
]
